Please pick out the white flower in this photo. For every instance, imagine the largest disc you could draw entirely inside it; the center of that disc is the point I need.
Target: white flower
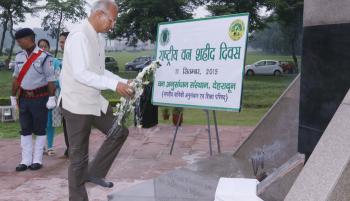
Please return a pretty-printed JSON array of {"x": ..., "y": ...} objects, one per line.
[
  {"x": 139, "y": 77},
  {"x": 127, "y": 106}
]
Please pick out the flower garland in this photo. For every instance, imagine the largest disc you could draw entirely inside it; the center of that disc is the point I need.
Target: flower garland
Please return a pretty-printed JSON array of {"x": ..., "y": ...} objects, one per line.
[{"x": 127, "y": 105}]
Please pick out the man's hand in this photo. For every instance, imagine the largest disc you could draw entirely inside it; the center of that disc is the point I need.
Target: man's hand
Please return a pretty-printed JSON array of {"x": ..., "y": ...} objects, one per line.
[
  {"x": 124, "y": 90},
  {"x": 51, "y": 103},
  {"x": 13, "y": 101}
]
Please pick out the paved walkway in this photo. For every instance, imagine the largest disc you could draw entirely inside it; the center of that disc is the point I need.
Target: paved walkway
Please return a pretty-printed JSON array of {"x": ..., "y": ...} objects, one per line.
[{"x": 144, "y": 156}]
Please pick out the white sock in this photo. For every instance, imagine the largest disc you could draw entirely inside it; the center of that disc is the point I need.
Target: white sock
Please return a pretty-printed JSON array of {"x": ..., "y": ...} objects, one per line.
[
  {"x": 40, "y": 142},
  {"x": 27, "y": 149}
]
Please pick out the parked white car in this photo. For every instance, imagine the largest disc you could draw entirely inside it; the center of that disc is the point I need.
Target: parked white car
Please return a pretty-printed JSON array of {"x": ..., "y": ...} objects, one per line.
[{"x": 264, "y": 67}]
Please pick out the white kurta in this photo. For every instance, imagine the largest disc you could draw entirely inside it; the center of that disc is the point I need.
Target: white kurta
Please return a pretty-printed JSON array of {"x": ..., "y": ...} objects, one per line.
[{"x": 83, "y": 74}]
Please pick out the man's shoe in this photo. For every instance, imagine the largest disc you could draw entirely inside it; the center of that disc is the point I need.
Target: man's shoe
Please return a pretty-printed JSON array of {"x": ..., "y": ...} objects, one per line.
[
  {"x": 21, "y": 167},
  {"x": 99, "y": 181},
  {"x": 35, "y": 166},
  {"x": 66, "y": 153}
]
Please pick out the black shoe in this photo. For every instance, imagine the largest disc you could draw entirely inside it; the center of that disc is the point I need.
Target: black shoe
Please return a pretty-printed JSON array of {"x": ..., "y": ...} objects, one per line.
[
  {"x": 99, "y": 181},
  {"x": 21, "y": 167},
  {"x": 66, "y": 153},
  {"x": 35, "y": 166}
]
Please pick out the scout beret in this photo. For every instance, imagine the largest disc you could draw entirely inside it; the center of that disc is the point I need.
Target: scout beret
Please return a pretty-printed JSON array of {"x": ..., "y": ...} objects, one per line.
[{"x": 23, "y": 33}]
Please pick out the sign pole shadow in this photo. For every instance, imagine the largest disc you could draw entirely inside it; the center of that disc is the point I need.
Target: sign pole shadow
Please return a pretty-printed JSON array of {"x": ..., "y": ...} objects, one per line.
[{"x": 208, "y": 129}]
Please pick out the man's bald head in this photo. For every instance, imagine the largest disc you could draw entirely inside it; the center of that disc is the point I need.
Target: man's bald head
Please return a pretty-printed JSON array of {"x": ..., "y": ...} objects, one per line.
[{"x": 103, "y": 15}]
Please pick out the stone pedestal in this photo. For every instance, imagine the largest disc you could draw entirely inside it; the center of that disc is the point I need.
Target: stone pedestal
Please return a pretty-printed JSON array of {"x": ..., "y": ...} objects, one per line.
[
  {"x": 326, "y": 176},
  {"x": 275, "y": 138},
  {"x": 277, "y": 185},
  {"x": 325, "y": 67}
]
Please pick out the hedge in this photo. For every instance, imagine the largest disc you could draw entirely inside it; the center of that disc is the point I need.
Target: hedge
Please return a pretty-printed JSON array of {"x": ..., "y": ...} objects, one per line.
[{"x": 5, "y": 101}]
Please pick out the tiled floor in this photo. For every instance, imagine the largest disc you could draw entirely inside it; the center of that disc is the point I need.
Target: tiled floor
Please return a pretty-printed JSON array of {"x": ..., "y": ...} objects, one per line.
[{"x": 144, "y": 156}]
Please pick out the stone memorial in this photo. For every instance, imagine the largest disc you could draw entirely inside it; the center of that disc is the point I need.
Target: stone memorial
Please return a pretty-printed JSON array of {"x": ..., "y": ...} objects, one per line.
[
  {"x": 276, "y": 186},
  {"x": 325, "y": 67},
  {"x": 199, "y": 181},
  {"x": 326, "y": 175},
  {"x": 311, "y": 113}
]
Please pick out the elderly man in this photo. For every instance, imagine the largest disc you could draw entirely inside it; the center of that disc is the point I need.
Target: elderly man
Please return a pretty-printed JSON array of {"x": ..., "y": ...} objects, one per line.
[
  {"x": 34, "y": 81},
  {"x": 82, "y": 78}
]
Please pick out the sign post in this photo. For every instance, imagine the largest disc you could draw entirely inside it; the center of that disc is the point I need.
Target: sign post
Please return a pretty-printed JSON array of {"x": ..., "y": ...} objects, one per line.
[{"x": 202, "y": 64}]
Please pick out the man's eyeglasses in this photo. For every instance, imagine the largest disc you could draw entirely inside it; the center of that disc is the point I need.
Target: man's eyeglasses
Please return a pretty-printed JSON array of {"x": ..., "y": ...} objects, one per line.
[{"x": 109, "y": 18}]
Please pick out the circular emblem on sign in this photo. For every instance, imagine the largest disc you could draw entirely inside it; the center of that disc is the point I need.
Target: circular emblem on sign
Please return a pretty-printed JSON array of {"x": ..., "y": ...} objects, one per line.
[
  {"x": 165, "y": 37},
  {"x": 236, "y": 30}
]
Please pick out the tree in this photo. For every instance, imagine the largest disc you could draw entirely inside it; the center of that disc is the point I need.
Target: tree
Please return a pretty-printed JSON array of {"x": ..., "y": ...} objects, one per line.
[
  {"x": 138, "y": 19},
  {"x": 289, "y": 14},
  {"x": 273, "y": 40},
  {"x": 13, "y": 12},
  {"x": 60, "y": 11},
  {"x": 5, "y": 20},
  {"x": 225, "y": 7}
]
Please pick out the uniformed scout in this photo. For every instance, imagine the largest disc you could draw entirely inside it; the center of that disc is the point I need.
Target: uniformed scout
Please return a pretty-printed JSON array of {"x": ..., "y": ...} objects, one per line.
[{"x": 33, "y": 82}]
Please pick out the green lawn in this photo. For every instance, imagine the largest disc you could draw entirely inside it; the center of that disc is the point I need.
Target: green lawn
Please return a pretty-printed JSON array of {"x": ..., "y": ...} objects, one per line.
[
  {"x": 259, "y": 94},
  {"x": 5, "y": 83},
  {"x": 11, "y": 130}
]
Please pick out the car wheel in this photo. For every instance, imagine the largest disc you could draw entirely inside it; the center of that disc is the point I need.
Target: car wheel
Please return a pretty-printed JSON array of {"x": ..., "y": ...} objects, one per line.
[
  {"x": 250, "y": 72},
  {"x": 277, "y": 73}
]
